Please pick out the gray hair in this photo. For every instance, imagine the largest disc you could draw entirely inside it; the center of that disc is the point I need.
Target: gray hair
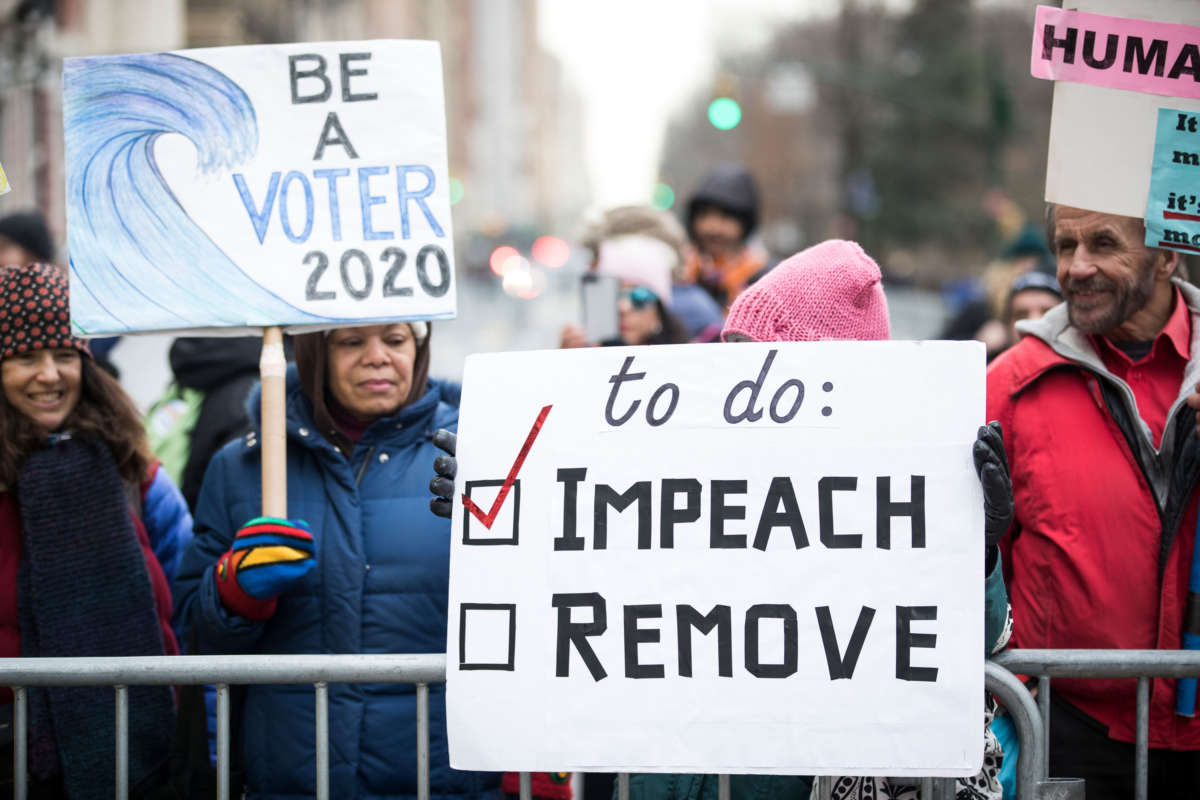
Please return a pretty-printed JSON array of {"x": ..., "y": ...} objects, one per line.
[{"x": 1181, "y": 267}]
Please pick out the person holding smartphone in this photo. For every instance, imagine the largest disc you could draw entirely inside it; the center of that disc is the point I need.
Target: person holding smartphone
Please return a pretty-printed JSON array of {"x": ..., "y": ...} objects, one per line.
[{"x": 627, "y": 294}]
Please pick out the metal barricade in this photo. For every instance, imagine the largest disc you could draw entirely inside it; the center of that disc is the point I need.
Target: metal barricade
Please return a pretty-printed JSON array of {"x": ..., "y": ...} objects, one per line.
[
  {"x": 1032, "y": 719},
  {"x": 1016, "y": 699},
  {"x": 1140, "y": 664},
  {"x": 318, "y": 670}
]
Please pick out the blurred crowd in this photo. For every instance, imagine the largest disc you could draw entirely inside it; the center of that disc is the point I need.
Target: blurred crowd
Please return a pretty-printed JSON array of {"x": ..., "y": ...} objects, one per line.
[{"x": 129, "y": 535}]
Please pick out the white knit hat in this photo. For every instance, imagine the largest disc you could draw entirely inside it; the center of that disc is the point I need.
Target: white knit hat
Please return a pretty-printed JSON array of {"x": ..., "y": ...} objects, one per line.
[{"x": 642, "y": 260}]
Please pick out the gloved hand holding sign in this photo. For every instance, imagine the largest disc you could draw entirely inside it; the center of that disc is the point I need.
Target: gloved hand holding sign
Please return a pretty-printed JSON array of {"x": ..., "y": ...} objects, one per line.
[
  {"x": 991, "y": 465},
  {"x": 446, "y": 467}
]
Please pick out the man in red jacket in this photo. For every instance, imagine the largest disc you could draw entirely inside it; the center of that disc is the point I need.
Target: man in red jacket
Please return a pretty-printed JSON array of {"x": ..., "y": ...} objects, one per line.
[{"x": 1105, "y": 463}]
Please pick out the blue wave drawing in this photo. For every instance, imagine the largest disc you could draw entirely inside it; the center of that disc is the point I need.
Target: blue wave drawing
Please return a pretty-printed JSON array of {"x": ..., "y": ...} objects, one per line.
[{"x": 138, "y": 262}]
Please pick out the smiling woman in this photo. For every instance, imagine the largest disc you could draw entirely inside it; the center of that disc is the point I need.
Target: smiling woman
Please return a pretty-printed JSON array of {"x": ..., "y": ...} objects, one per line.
[
  {"x": 91, "y": 531},
  {"x": 50, "y": 383},
  {"x": 43, "y": 384}
]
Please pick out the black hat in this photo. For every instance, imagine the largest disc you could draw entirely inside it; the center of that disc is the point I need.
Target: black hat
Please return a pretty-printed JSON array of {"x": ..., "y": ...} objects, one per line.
[
  {"x": 731, "y": 188},
  {"x": 28, "y": 229},
  {"x": 1035, "y": 280}
]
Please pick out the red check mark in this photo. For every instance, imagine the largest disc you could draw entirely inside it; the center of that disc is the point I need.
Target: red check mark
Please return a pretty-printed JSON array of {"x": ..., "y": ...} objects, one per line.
[{"x": 490, "y": 517}]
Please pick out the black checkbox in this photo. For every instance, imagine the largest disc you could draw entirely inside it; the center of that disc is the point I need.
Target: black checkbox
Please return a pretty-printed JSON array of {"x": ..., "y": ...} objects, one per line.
[
  {"x": 491, "y": 618},
  {"x": 483, "y": 535}
]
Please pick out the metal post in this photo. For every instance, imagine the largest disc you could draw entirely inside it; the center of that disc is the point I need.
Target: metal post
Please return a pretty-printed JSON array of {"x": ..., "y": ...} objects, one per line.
[
  {"x": 122, "y": 742},
  {"x": 322, "y": 740},
  {"x": 1015, "y": 698},
  {"x": 926, "y": 788},
  {"x": 525, "y": 785},
  {"x": 1061, "y": 789},
  {"x": 20, "y": 730},
  {"x": 943, "y": 789},
  {"x": 1142, "y": 757},
  {"x": 1043, "y": 700},
  {"x": 422, "y": 741},
  {"x": 824, "y": 787},
  {"x": 223, "y": 741},
  {"x": 722, "y": 787},
  {"x": 622, "y": 786}
]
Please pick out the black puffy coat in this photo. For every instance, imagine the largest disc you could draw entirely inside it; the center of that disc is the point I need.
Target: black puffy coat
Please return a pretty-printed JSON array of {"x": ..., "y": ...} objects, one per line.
[{"x": 224, "y": 369}]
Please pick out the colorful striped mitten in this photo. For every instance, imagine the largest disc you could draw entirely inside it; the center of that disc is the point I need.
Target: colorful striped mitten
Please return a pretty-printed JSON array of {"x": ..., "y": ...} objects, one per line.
[{"x": 267, "y": 556}]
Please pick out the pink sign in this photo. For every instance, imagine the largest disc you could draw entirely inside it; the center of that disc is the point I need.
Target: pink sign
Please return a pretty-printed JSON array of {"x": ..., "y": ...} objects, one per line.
[{"x": 1115, "y": 52}]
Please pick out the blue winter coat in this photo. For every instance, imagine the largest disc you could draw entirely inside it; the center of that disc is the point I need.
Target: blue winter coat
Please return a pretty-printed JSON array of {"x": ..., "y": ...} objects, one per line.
[{"x": 379, "y": 586}]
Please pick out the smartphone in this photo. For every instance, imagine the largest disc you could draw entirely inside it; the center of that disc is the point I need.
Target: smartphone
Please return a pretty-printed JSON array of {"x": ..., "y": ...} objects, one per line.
[{"x": 600, "y": 307}]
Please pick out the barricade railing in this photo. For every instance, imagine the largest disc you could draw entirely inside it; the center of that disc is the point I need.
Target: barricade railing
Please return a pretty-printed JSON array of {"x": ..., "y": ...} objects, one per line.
[
  {"x": 1031, "y": 722},
  {"x": 222, "y": 671},
  {"x": 1144, "y": 665}
]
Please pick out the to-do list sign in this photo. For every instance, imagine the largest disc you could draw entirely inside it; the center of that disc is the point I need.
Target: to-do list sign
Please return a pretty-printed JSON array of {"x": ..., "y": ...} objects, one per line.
[
  {"x": 302, "y": 185},
  {"x": 719, "y": 558}
]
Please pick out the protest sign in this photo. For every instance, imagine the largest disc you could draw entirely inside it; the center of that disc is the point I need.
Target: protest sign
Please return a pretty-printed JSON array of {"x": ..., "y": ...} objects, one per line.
[
  {"x": 740, "y": 558},
  {"x": 1173, "y": 211},
  {"x": 1136, "y": 54},
  {"x": 302, "y": 185},
  {"x": 1102, "y": 130}
]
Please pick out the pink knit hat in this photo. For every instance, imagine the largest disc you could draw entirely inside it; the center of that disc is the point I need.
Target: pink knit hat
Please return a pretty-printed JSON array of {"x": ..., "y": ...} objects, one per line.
[{"x": 829, "y": 291}]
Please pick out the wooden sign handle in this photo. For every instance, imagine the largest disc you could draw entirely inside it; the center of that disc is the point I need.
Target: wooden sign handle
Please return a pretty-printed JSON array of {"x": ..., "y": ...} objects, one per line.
[{"x": 273, "y": 369}]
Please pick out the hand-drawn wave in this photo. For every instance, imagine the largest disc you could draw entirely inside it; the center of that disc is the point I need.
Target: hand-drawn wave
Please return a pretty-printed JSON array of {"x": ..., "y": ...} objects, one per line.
[{"x": 129, "y": 237}]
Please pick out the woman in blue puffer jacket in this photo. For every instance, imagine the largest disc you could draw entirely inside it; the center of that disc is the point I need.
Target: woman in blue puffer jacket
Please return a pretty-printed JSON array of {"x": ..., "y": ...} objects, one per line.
[{"x": 363, "y": 568}]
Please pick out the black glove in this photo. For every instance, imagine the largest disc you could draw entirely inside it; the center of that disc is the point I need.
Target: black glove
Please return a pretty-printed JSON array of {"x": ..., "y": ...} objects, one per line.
[
  {"x": 446, "y": 467},
  {"x": 991, "y": 464}
]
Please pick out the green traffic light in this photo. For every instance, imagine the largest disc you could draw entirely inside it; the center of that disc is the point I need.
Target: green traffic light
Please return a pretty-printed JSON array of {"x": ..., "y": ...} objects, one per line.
[
  {"x": 724, "y": 113},
  {"x": 664, "y": 197}
]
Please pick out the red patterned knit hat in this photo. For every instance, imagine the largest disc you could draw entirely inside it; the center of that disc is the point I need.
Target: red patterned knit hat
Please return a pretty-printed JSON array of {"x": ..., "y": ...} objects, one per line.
[
  {"x": 35, "y": 311},
  {"x": 829, "y": 291}
]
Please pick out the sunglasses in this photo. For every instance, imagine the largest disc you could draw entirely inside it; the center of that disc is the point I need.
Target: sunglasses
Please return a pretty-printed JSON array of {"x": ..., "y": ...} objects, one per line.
[{"x": 639, "y": 297}]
